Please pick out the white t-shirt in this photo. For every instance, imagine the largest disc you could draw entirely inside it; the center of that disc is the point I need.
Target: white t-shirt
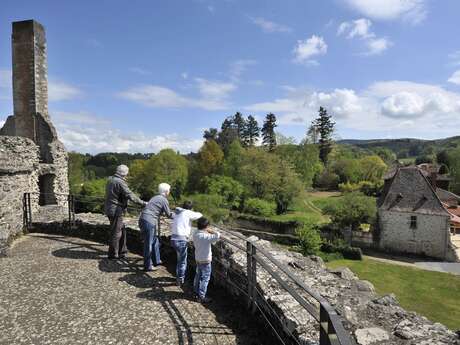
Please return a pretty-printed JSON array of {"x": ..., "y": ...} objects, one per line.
[
  {"x": 182, "y": 222},
  {"x": 202, "y": 242}
]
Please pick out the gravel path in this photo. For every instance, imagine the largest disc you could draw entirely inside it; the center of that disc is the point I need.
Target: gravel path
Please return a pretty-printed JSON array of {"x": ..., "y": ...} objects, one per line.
[{"x": 63, "y": 290}]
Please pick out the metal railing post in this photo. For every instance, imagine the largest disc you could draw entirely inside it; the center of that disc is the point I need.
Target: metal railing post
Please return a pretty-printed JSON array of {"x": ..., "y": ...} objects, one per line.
[
  {"x": 254, "y": 277},
  {"x": 24, "y": 211},
  {"x": 69, "y": 206},
  {"x": 249, "y": 272},
  {"x": 73, "y": 210},
  {"x": 323, "y": 326},
  {"x": 29, "y": 210}
]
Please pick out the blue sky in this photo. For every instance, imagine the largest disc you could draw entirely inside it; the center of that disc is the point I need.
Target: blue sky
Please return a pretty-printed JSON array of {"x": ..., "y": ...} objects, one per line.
[{"x": 140, "y": 76}]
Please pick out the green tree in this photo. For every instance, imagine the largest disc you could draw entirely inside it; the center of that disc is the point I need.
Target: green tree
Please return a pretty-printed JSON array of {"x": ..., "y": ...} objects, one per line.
[
  {"x": 211, "y": 134},
  {"x": 76, "y": 172},
  {"x": 372, "y": 168},
  {"x": 167, "y": 166},
  {"x": 232, "y": 162},
  {"x": 352, "y": 210},
  {"x": 454, "y": 167},
  {"x": 309, "y": 239},
  {"x": 251, "y": 131},
  {"x": 230, "y": 190},
  {"x": 268, "y": 132},
  {"x": 281, "y": 139},
  {"x": 240, "y": 124},
  {"x": 325, "y": 127},
  {"x": 91, "y": 198},
  {"x": 228, "y": 134},
  {"x": 288, "y": 187}
]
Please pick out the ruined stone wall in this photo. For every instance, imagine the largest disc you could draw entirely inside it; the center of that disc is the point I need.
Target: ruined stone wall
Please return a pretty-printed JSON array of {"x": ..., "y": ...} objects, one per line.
[
  {"x": 18, "y": 175},
  {"x": 431, "y": 237},
  {"x": 369, "y": 318}
]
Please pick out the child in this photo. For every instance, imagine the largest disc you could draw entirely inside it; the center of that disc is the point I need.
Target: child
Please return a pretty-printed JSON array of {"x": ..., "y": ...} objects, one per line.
[
  {"x": 202, "y": 239},
  {"x": 181, "y": 228}
]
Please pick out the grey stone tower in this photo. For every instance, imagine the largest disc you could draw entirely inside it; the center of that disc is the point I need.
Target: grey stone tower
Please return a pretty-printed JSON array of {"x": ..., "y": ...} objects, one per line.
[{"x": 31, "y": 118}]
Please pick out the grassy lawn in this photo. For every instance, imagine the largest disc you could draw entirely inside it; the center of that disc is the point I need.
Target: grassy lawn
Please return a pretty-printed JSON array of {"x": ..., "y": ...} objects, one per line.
[
  {"x": 432, "y": 294},
  {"x": 308, "y": 207}
]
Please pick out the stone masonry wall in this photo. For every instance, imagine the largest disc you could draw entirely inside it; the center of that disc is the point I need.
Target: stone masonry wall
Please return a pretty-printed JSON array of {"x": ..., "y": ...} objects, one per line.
[
  {"x": 372, "y": 320},
  {"x": 18, "y": 175},
  {"x": 431, "y": 237}
]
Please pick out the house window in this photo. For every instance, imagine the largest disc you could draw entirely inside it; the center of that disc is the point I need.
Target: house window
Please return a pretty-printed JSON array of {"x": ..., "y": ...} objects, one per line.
[{"x": 413, "y": 222}]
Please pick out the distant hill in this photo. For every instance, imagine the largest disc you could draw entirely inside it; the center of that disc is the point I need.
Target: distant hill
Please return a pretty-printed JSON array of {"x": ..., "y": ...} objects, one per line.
[{"x": 406, "y": 147}]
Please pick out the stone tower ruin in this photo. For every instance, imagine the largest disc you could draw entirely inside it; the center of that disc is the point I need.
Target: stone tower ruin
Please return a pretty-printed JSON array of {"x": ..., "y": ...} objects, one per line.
[{"x": 32, "y": 158}]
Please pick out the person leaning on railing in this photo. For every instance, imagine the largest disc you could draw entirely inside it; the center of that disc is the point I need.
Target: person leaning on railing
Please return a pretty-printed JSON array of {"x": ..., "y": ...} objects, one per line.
[
  {"x": 148, "y": 222},
  {"x": 117, "y": 194}
]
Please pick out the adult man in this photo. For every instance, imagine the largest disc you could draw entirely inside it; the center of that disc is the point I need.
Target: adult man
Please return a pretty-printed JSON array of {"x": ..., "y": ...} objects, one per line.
[{"x": 117, "y": 195}]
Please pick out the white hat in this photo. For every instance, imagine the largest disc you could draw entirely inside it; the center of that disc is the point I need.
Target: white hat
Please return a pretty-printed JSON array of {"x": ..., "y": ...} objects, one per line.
[{"x": 122, "y": 170}]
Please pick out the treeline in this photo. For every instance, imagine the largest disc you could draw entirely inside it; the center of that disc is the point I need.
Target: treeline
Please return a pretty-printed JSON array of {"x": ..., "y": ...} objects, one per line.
[{"x": 243, "y": 166}]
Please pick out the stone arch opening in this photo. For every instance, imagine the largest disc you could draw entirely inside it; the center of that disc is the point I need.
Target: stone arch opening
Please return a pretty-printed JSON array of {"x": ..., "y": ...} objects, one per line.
[{"x": 46, "y": 188}]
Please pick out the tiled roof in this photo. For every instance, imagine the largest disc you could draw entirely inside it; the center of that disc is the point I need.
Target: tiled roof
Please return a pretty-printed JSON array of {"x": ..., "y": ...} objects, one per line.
[{"x": 410, "y": 191}]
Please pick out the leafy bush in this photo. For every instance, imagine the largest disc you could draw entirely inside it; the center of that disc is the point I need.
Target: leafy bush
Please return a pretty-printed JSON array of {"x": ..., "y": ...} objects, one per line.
[
  {"x": 229, "y": 189},
  {"x": 352, "y": 210},
  {"x": 351, "y": 253},
  {"x": 210, "y": 205},
  {"x": 309, "y": 240},
  {"x": 327, "y": 180},
  {"x": 349, "y": 187},
  {"x": 259, "y": 207}
]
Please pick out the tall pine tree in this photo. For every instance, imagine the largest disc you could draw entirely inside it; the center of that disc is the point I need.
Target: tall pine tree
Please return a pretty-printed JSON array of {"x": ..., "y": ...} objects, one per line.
[
  {"x": 251, "y": 132},
  {"x": 239, "y": 123},
  {"x": 210, "y": 134},
  {"x": 268, "y": 132},
  {"x": 227, "y": 134},
  {"x": 325, "y": 127}
]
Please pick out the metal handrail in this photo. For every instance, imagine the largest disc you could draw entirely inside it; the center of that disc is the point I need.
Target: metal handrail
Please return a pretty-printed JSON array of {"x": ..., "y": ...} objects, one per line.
[{"x": 331, "y": 327}]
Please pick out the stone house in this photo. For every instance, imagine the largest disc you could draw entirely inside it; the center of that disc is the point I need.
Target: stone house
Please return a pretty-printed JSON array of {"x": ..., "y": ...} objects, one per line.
[
  {"x": 32, "y": 159},
  {"x": 413, "y": 213}
]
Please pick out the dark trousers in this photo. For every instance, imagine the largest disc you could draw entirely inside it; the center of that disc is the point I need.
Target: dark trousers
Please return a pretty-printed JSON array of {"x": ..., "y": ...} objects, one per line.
[{"x": 117, "y": 240}]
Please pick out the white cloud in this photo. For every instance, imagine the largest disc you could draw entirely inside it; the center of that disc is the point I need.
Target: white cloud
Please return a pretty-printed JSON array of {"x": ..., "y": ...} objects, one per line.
[
  {"x": 85, "y": 132},
  {"x": 60, "y": 91},
  {"x": 361, "y": 28},
  {"x": 412, "y": 11},
  {"x": 455, "y": 58},
  {"x": 184, "y": 75},
  {"x": 356, "y": 28},
  {"x": 306, "y": 49},
  {"x": 213, "y": 95},
  {"x": 455, "y": 78},
  {"x": 140, "y": 70},
  {"x": 269, "y": 26},
  {"x": 377, "y": 45},
  {"x": 238, "y": 67},
  {"x": 390, "y": 105}
]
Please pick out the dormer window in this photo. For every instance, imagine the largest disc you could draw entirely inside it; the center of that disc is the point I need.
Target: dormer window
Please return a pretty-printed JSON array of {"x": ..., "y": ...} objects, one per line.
[{"x": 413, "y": 222}]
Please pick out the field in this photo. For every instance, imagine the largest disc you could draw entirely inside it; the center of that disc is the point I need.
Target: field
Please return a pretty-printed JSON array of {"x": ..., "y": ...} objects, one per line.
[
  {"x": 308, "y": 207},
  {"x": 432, "y": 294}
]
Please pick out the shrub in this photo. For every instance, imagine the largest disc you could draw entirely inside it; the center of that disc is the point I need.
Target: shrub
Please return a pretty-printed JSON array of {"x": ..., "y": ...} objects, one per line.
[
  {"x": 352, "y": 210},
  {"x": 339, "y": 246},
  {"x": 210, "y": 205},
  {"x": 230, "y": 190},
  {"x": 309, "y": 240},
  {"x": 259, "y": 207},
  {"x": 327, "y": 180},
  {"x": 349, "y": 187}
]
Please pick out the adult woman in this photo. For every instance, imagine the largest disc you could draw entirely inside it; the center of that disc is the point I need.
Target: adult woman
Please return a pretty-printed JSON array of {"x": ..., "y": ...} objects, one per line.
[{"x": 148, "y": 221}]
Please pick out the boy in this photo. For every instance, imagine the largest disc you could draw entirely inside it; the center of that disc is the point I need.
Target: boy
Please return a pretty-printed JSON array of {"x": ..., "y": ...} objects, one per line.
[
  {"x": 202, "y": 240},
  {"x": 181, "y": 229}
]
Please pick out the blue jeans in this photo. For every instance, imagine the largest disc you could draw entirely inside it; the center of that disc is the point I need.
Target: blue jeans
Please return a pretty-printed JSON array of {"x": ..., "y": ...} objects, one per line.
[
  {"x": 151, "y": 244},
  {"x": 181, "y": 250},
  {"x": 202, "y": 276}
]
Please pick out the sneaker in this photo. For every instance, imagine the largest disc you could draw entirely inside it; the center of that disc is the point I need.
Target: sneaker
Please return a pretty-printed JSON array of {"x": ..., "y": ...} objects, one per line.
[
  {"x": 204, "y": 300},
  {"x": 179, "y": 283},
  {"x": 150, "y": 269}
]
